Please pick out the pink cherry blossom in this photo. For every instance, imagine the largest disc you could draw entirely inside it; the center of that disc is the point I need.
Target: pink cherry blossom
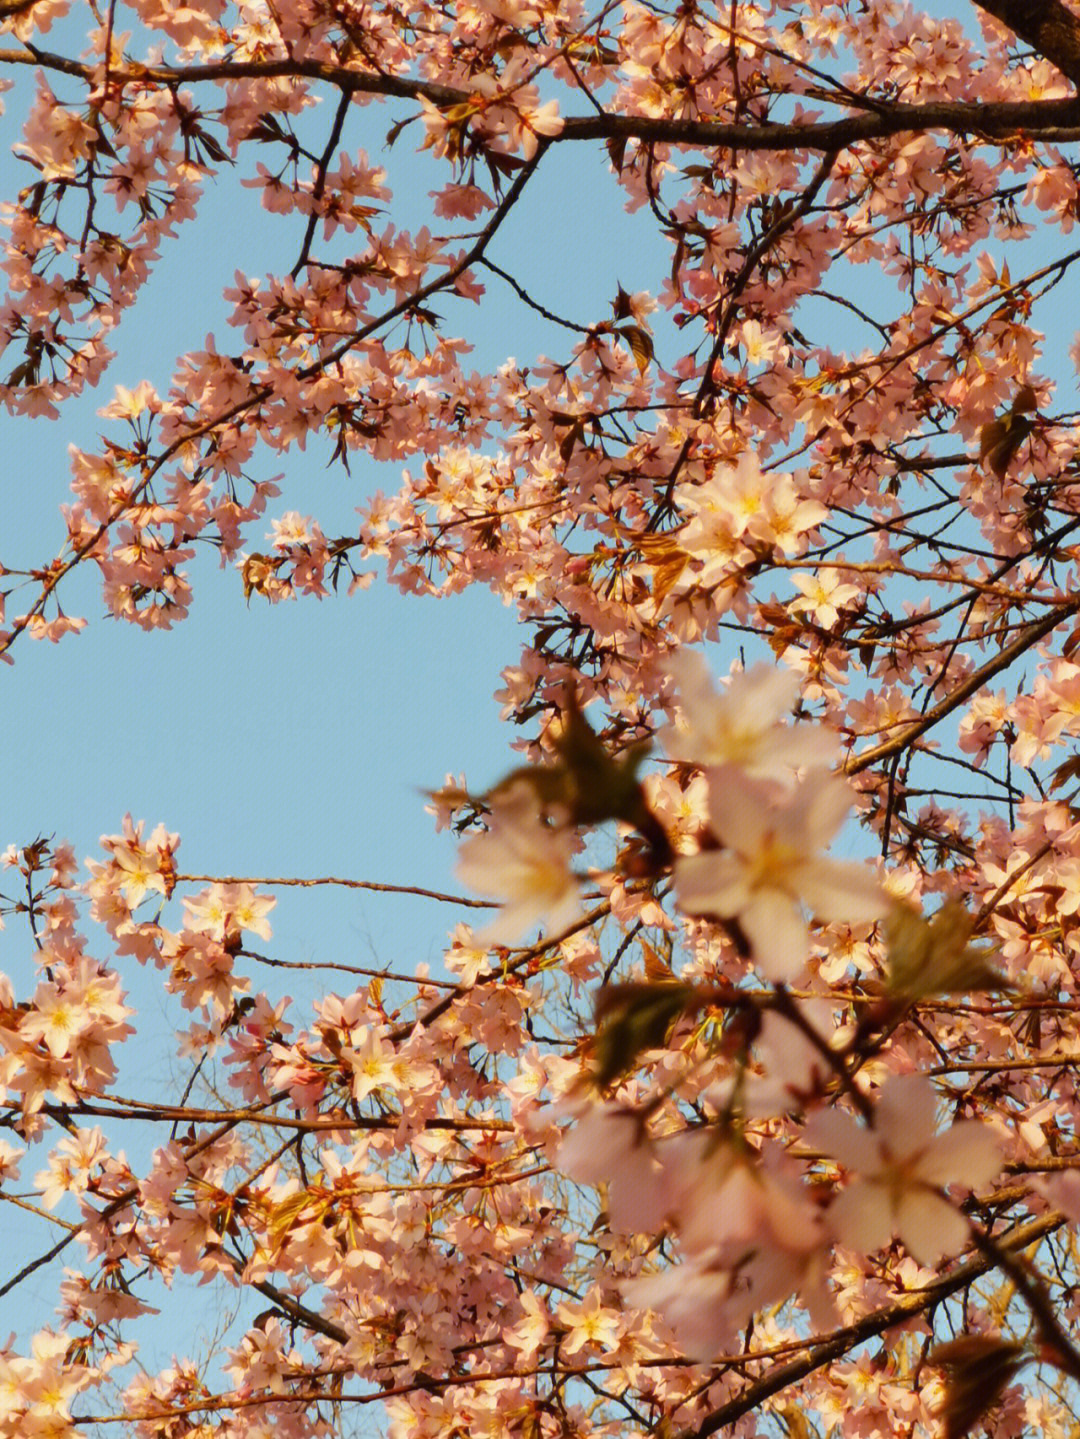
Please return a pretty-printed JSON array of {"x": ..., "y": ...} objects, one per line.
[
  {"x": 803, "y": 417},
  {"x": 769, "y": 868},
  {"x": 900, "y": 1168},
  {"x": 740, "y": 726},
  {"x": 590, "y": 1322}
]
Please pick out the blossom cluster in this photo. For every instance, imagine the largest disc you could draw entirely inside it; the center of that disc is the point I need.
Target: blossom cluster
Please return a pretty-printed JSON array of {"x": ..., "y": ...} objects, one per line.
[
  {"x": 752, "y": 1226},
  {"x": 831, "y": 445}
]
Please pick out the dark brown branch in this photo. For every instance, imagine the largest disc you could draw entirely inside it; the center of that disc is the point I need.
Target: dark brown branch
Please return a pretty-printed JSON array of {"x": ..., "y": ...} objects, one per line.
[
  {"x": 1058, "y": 120},
  {"x": 1028, "y": 636},
  {"x": 1050, "y": 120},
  {"x": 320, "y": 182},
  {"x": 1048, "y": 26},
  {"x": 331, "y": 1123},
  {"x": 298, "y": 1312},
  {"x": 781, "y": 1376},
  {"x": 1056, "y": 1342}
]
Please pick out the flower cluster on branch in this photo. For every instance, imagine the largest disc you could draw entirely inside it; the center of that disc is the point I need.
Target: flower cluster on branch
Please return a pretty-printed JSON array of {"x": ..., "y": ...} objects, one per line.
[{"x": 707, "y": 1127}]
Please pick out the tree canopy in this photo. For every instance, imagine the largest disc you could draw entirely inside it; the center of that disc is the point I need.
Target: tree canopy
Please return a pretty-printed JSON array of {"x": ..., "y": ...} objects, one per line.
[{"x": 700, "y": 1127}]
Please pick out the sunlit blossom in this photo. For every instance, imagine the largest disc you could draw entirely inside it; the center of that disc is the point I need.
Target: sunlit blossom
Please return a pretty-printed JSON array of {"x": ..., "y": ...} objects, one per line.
[
  {"x": 770, "y": 868},
  {"x": 526, "y": 862},
  {"x": 900, "y": 1167},
  {"x": 741, "y": 725}
]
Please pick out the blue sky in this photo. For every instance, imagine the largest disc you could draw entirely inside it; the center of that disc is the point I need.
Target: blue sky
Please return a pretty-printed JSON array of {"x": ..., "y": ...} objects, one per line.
[{"x": 288, "y": 739}]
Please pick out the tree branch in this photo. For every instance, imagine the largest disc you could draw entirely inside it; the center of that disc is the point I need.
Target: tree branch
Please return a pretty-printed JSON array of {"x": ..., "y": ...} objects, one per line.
[
  {"x": 1048, "y": 26},
  {"x": 1050, "y": 120},
  {"x": 1028, "y": 636},
  {"x": 781, "y": 1376}
]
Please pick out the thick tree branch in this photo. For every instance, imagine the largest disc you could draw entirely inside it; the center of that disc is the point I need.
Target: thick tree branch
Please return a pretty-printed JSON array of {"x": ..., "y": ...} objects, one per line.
[
  {"x": 1047, "y": 119},
  {"x": 1050, "y": 120},
  {"x": 781, "y": 1376},
  {"x": 1048, "y": 26},
  {"x": 299, "y": 1313},
  {"x": 905, "y": 735}
]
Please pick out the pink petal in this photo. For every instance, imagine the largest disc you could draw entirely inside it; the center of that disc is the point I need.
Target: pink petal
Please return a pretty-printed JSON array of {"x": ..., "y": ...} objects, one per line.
[
  {"x": 741, "y": 810},
  {"x": 777, "y": 932},
  {"x": 728, "y": 1213},
  {"x": 929, "y": 1227},
  {"x": 711, "y": 883},
  {"x": 835, "y": 1133},
  {"x": 822, "y": 803},
  {"x": 1062, "y": 1191},
  {"x": 817, "y": 1299},
  {"x": 861, "y": 1217},
  {"x": 639, "y": 1203},
  {"x": 966, "y": 1154},
  {"x": 601, "y": 1138},
  {"x": 692, "y": 1302},
  {"x": 906, "y": 1115},
  {"x": 803, "y": 746},
  {"x": 841, "y": 891},
  {"x": 767, "y": 691}
]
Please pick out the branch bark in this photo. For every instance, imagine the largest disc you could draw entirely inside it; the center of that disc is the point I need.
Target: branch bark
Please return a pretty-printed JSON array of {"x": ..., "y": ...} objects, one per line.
[
  {"x": 838, "y": 1344},
  {"x": 1048, "y": 26},
  {"x": 1055, "y": 121},
  {"x": 1028, "y": 636}
]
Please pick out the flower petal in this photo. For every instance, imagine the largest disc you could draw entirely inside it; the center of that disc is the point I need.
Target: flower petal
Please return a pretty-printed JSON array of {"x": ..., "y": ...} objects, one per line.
[
  {"x": 777, "y": 932},
  {"x": 822, "y": 802},
  {"x": 711, "y": 883},
  {"x": 861, "y": 1217},
  {"x": 803, "y": 746},
  {"x": 929, "y": 1226},
  {"x": 841, "y": 891},
  {"x": 835, "y": 1133},
  {"x": 740, "y": 809},
  {"x": 906, "y": 1115},
  {"x": 966, "y": 1154}
]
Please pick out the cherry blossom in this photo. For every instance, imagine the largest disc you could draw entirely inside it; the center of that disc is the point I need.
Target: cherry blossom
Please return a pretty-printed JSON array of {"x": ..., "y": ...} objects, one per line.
[
  {"x": 526, "y": 860},
  {"x": 901, "y": 1166},
  {"x": 227, "y": 907},
  {"x": 741, "y": 726},
  {"x": 780, "y": 483},
  {"x": 589, "y": 1323},
  {"x": 770, "y": 867}
]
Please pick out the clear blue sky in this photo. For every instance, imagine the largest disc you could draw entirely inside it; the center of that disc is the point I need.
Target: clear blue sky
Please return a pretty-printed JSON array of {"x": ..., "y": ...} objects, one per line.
[{"x": 290, "y": 739}]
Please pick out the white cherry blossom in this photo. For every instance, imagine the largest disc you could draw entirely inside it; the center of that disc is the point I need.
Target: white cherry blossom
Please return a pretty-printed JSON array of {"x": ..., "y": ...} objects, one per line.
[
  {"x": 743, "y": 724},
  {"x": 771, "y": 865},
  {"x": 901, "y": 1166}
]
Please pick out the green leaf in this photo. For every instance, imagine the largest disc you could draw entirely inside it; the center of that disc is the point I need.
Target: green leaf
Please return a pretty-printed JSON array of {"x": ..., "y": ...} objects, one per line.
[{"x": 632, "y": 1018}]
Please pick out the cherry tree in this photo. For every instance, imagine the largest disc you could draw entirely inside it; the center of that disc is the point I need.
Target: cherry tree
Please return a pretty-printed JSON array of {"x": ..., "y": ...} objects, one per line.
[{"x": 706, "y": 1126}]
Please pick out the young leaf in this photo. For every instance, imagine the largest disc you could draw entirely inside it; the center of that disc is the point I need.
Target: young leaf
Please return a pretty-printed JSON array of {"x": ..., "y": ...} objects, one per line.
[
  {"x": 1000, "y": 439},
  {"x": 935, "y": 955},
  {"x": 977, "y": 1369},
  {"x": 641, "y": 345},
  {"x": 632, "y": 1018}
]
